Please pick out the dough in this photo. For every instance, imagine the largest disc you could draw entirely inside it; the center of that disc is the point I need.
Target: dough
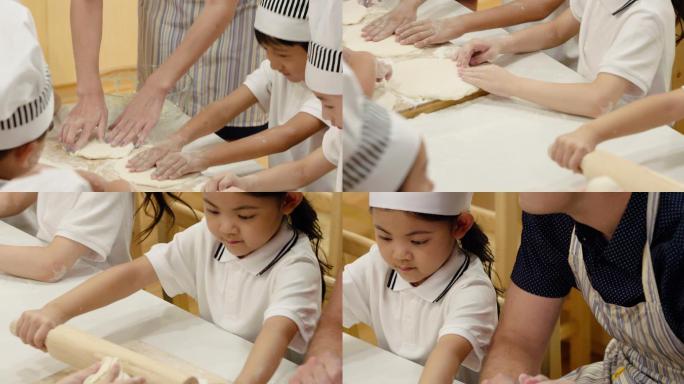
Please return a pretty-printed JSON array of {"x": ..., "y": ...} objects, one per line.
[
  {"x": 385, "y": 98},
  {"x": 96, "y": 150},
  {"x": 603, "y": 184},
  {"x": 145, "y": 178},
  {"x": 429, "y": 78},
  {"x": 353, "y": 12},
  {"x": 353, "y": 40},
  {"x": 101, "y": 375}
]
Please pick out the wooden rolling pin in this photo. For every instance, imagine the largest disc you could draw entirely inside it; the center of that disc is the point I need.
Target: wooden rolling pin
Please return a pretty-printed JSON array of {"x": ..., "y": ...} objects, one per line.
[
  {"x": 629, "y": 176},
  {"x": 81, "y": 350}
]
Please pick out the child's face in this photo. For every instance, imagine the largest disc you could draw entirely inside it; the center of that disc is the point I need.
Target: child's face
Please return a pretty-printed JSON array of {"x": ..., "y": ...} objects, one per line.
[
  {"x": 417, "y": 179},
  {"x": 413, "y": 246},
  {"x": 332, "y": 108},
  {"x": 288, "y": 60},
  {"x": 243, "y": 222}
]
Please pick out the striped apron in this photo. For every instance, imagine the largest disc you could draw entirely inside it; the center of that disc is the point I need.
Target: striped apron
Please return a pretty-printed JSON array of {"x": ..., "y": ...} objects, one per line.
[
  {"x": 219, "y": 71},
  {"x": 644, "y": 349}
]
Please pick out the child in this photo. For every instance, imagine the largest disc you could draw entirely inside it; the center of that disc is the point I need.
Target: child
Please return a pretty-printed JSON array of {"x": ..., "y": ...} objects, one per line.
[
  {"x": 93, "y": 227},
  {"x": 27, "y": 104},
  {"x": 381, "y": 151},
  {"x": 424, "y": 287},
  {"x": 294, "y": 113},
  {"x": 251, "y": 264},
  {"x": 626, "y": 52},
  {"x": 324, "y": 77},
  {"x": 569, "y": 149}
]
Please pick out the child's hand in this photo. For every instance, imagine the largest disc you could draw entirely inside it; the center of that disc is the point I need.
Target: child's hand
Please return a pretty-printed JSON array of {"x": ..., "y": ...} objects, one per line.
[
  {"x": 176, "y": 164},
  {"x": 87, "y": 117},
  {"x": 568, "y": 150},
  {"x": 325, "y": 369},
  {"x": 430, "y": 32},
  {"x": 478, "y": 51},
  {"x": 386, "y": 25},
  {"x": 226, "y": 182},
  {"x": 383, "y": 70},
  {"x": 33, "y": 326},
  {"x": 149, "y": 157},
  {"x": 490, "y": 78}
]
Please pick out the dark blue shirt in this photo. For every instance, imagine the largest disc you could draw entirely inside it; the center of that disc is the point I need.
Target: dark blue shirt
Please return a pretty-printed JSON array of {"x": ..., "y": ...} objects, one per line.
[{"x": 613, "y": 266}]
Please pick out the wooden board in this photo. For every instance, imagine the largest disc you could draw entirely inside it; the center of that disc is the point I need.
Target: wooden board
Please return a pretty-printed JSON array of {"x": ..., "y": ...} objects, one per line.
[
  {"x": 159, "y": 355},
  {"x": 436, "y": 105}
]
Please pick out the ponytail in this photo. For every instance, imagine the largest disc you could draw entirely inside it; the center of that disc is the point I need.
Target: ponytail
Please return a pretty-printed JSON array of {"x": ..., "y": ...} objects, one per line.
[
  {"x": 304, "y": 220},
  {"x": 156, "y": 203}
]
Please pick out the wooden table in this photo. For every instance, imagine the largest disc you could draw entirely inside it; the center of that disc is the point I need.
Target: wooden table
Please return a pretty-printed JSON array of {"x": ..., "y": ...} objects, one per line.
[{"x": 140, "y": 317}]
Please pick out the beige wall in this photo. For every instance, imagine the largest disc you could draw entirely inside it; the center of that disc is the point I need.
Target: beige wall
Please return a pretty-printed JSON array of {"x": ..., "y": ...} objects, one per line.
[{"x": 119, "y": 40}]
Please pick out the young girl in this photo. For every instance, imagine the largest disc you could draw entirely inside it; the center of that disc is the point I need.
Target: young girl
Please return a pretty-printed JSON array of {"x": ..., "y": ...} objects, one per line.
[
  {"x": 251, "y": 264},
  {"x": 568, "y": 150},
  {"x": 295, "y": 121},
  {"x": 93, "y": 227},
  {"x": 424, "y": 287},
  {"x": 626, "y": 52}
]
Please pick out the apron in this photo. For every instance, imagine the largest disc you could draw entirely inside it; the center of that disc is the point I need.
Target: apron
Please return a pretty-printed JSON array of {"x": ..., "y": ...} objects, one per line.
[
  {"x": 644, "y": 349},
  {"x": 218, "y": 72}
]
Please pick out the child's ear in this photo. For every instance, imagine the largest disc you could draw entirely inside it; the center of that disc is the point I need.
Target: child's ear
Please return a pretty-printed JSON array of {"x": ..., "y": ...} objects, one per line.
[
  {"x": 291, "y": 201},
  {"x": 23, "y": 154},
  {"x": 462, "y": 225}
]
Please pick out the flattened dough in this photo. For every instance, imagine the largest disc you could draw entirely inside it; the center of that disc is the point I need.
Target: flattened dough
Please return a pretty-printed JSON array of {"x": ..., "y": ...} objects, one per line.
[
  {"x": 353, "y": 12},
  {"x": 353, "y": 40},
  {"x": 100, "y": 376},
  {"x": 97, "y": 150},
  {"x": 145, "y": 178},
  {"x": 429, "y": 78}
]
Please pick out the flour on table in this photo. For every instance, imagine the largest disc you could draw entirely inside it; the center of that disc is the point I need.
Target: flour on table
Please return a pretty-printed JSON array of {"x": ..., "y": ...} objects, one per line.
[
  {"x": 389, "y": 47},
  {"x": 100, "y": 377},
  {"x": 353, "y": 12},
  {"x": 97, "y": 150},
  {"x": 145, "y": 178},
  {"x": 429, "y": 78}
]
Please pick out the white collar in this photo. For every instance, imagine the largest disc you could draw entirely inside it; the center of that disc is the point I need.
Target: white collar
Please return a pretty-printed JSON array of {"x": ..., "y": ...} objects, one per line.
[
  {"x": 618, "y": 7},
  {"x": 436, "y": 286},
  {"x": 262, "y": 259}
]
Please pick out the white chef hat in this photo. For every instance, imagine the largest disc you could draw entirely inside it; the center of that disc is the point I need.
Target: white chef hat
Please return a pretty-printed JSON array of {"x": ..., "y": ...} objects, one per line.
[
  {"x": 284, "y": 19},
  {"x": 324, "y": 61},
  {"x": 379, "y": 147},
  {"x": 26, "y": 100},
  {"x": 434, "y": 203}
]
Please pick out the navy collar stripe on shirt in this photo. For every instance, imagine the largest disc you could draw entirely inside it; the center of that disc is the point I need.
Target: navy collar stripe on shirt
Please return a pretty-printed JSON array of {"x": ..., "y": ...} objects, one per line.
[
  {"x": 288, "y": 246},
  {"x": 454, "y": 279},
  {"x": 219, "y": 252}
]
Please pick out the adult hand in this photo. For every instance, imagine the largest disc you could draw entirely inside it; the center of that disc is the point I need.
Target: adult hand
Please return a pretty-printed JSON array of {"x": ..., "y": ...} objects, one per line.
[
  {"x": 80, "y": 376},
  {"x": 139, "y": 117},
  {"x": 541, "y": 379},
  {"x": 500, "y": 379},
  {"x": 386, "y": 25},
  {"x": 428, "y": 32},
  {"x": 88, "y": 118}
]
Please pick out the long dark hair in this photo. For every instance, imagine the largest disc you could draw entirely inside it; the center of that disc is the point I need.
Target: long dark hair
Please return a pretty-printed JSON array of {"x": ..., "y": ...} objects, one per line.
[
  {"x": 474, "y": 243},
  {"x": 678, "y": 6},
  {"x": 155, "y": 205},
  {"x": 304, "y": 219}
]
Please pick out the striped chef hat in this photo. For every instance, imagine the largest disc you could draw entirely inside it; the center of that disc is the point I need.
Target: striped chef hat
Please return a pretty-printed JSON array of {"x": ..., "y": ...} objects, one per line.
[
  {"x": 284, "y": 19},
  {"x": 26, "y": 100},
  {"x": 324, "y": 63},
  {"x": 379, "y": 147},
  {"x": 433, "y": 203}
]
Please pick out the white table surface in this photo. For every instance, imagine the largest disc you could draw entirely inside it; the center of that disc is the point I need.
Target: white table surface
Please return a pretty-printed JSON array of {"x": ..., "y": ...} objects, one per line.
[
  {"x": 141, "y": 316},
  {"x": 366, "y": 363},
  {"x": 500, "y": 144}
]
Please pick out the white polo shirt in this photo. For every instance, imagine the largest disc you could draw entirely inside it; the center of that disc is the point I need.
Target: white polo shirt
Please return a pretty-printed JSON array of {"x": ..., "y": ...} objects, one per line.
[
  {"x": 332, "y": 150},
  {"x": 457, "y": 299},
  {"x": 283, "y": 99},
  {"x": 638, "y": 44},
  {"x": 282, "y": 278},
  {"x": 102, "y": 221},
  {"x": 47, "y": 179}
]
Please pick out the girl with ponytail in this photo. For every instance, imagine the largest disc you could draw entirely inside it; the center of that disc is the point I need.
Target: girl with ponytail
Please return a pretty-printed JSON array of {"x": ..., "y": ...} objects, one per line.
[
  {"x": 251, "y": 264},
  {"x": 425, "y": 287}
]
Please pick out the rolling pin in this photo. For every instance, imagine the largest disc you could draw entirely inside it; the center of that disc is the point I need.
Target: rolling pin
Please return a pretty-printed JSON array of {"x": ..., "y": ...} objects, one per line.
[
  {"x": 81, "y": 350},
  {"x": 629, "y": 176}
]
